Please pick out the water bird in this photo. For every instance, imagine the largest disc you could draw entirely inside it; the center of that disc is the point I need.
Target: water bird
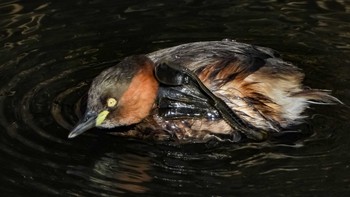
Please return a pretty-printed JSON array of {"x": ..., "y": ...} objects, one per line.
[{"x": 195, "y": 92}]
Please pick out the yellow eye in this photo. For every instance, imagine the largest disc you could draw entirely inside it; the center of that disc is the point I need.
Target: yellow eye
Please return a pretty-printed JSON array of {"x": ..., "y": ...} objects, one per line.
[{"x": 111, "y": 102}]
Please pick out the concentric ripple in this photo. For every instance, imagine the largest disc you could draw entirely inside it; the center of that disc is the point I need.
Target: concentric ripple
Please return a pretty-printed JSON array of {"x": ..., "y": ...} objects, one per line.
[{"x": 51, "y": 51}]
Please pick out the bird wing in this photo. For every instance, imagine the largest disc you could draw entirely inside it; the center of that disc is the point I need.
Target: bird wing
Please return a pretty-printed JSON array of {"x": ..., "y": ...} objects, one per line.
[{"x": 192, "y": 97}]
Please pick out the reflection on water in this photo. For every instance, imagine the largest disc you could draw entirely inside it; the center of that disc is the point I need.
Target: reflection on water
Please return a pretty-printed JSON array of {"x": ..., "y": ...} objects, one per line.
[
  {"x": 50, "y": 51},
  {"x": 119, "y": 173}
]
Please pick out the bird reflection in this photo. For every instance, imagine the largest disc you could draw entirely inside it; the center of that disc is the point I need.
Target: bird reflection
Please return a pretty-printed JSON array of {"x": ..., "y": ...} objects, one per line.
[{"x": 128, "y": 172}]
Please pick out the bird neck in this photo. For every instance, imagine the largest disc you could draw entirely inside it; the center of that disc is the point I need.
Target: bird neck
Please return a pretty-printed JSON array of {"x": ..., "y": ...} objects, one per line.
[{"x": 139, "y": 98}]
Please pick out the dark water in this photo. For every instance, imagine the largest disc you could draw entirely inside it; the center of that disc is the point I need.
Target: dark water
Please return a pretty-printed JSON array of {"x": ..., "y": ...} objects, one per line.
[{"x": 50, "y": 51}]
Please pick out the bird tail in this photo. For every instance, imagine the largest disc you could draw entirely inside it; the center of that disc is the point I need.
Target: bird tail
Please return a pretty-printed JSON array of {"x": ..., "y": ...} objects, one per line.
[{"x": 318, "y": 96}]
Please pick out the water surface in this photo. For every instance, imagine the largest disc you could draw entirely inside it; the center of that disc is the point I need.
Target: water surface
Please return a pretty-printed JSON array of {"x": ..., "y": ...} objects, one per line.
[{"x": 51, "y": 50}]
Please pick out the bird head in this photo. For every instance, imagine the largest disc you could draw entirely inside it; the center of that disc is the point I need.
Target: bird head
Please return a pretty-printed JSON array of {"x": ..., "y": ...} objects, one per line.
[{"x": 121, "y": 95}]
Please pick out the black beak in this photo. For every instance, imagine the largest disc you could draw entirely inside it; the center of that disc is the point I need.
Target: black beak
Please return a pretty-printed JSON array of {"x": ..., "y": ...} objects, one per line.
[{"x": 88, "y": 122}]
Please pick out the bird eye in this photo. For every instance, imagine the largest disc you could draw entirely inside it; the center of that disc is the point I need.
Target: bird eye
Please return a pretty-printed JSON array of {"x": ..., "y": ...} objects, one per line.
[{"x": 111, "y": 102}]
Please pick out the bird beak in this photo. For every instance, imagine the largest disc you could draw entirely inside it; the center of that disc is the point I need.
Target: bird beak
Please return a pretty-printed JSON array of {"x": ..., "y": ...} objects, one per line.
[{"x": 88, "y": 122}]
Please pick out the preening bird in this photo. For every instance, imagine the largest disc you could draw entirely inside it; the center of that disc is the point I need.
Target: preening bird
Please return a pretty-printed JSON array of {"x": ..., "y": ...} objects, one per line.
[{"x": 200, "y": 91}]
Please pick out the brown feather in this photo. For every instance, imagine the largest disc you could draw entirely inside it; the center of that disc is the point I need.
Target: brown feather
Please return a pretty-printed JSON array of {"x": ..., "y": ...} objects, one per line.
[
  {"x": 317, "y": 96},
  {"x": 268, "y": 97}
]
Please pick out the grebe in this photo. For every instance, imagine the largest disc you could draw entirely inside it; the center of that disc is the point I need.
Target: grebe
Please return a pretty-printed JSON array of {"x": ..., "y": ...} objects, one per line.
[{"x": 200, "y": 91}]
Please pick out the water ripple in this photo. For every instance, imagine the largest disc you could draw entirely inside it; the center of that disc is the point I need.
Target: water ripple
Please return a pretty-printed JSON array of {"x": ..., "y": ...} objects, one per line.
[{"x": 50, "y": 51}]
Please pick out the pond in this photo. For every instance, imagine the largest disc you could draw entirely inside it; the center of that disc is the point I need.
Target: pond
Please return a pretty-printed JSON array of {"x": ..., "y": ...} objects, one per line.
[{"x": 51, "y": 50}]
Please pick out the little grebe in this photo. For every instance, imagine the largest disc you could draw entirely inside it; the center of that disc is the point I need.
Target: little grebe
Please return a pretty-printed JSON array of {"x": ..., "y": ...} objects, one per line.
[{"x": 200, "y": 91}]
